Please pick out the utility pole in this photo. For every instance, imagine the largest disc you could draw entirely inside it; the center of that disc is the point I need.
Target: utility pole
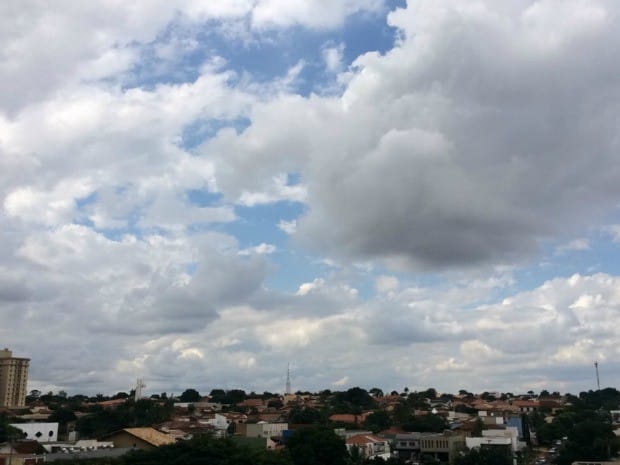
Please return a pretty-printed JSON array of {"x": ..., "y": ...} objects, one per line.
[
  {"x": 10, "y": 437},
  {"x": 598, "y": 381},
  {"x": 288, "y": 379}
]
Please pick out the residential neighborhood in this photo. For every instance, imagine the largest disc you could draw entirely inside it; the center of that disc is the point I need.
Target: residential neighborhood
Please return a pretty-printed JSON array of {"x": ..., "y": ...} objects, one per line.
[{"x": 408, "y": 427}]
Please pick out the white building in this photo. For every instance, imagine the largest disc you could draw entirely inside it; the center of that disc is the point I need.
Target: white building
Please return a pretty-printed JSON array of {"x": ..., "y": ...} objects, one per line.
[
  {"x": 508, "y": 437},
  {"x": 219, "y": 422},
  {"x": 262, "y": 429},
  {"x": 369, "y": 446},
  {"x": 41, "y": 432}
]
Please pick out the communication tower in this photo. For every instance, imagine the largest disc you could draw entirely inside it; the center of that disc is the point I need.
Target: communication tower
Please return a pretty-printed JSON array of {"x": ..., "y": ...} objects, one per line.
[
  {"x": 598, "y": 381},
  {"x": 138, "y": 391},
  {"x": 288, "y": 379}
]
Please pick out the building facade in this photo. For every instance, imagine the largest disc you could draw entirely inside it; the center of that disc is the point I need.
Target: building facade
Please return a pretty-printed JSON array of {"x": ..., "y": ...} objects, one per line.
[
  {"x": 407, "y": 445},
  {"x": 13, "y": 379},
  {"x": 40, "y": 432},
  {"x": 369, "y": 446},
  {"x": 443, "y": 447},
  {"x": 261, "y": 429}
]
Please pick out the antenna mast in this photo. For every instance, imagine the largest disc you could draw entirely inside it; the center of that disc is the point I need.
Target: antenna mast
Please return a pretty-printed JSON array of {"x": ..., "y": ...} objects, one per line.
[
  {"x": 288, "y": 379},
  {"x": 598, "y": 381}
]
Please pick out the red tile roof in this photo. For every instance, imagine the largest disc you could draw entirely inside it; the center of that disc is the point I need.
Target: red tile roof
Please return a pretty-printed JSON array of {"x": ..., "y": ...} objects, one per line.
[
  {"x": 349, "y": 418},
  {"x": 526, "y": 403},
  {"x": 361, "y": 439}
]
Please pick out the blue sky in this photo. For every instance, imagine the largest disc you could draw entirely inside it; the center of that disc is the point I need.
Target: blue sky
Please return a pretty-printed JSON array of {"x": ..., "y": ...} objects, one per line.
[{"x": 381, "y": 193}]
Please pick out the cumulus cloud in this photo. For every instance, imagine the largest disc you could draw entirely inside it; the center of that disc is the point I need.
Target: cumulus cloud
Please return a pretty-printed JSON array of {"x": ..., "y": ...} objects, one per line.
[
  {"x": 94, "y": 41},
  {"x": 278, "y": 191},
  {"x": 488, "y": 128},
  {"x": 455, "y": 148},
  {"x": 260, "y": 249},
  {"x": 321, "y": 14},
  {"x": 306, "y": 288},
  {"x": 289, "y": 227},
  {"x": 333, "y": 57}
]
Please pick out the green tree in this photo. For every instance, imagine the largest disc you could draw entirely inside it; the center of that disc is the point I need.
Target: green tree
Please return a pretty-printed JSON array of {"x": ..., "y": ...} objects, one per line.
[
  {"x": 402, "y": 412},
  {"x": 426, "y": 424},
  {"x": 378, "y": 421},
  {"x": 206, "y": 451},
  {"x": 6, "y": 430},
  {"x": 236, "y": 396},
  {"x": 356, "y": 399},
  {"x": 63, "y": 416},
  {"x": 478, "y": 427},
  {"x": 190, "y": 395},
  {"x": 592, "y": 439},
  {"x": 317, "y": 445},
  {"x": 304, "y": 416},
  {"x": 144, "y": 412},
  {"x": 355, "y": 457},
  {"x": 217, "y": 395}
]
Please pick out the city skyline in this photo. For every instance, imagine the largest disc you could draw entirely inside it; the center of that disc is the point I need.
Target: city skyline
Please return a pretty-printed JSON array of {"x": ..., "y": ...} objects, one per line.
[{"x": 378, "y": 192}]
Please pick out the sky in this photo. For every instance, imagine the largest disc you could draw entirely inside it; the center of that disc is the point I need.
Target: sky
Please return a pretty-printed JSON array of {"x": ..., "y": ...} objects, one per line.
[{"x": 380, "y": 193}]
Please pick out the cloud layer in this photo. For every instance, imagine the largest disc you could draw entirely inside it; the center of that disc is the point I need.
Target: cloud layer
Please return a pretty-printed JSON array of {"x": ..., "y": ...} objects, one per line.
[{"x": 167, "y": 215}]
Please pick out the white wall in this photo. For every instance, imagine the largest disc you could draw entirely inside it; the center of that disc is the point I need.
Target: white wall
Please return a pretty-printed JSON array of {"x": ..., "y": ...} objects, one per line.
[{"x": 42, "y": 432}]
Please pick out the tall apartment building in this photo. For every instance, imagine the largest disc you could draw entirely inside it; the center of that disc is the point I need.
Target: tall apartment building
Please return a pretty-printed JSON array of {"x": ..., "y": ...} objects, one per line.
[{"x": 13, "y": 379}]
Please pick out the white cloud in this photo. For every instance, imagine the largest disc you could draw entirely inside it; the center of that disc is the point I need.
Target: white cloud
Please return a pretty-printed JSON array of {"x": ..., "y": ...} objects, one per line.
[
  {"x": 260, "y": 249},
  {"x": 333, "y": 57},
  {"x": 576, "y": 245},
  {"x": 441, "y": 152},
  {"x": 384, "y": 284},
  {"x": 278, "y": 191},
  {"x": 289, "y": 227},
  {"x": 310, "y": 13},
  {"x": 306, "y": 288}
]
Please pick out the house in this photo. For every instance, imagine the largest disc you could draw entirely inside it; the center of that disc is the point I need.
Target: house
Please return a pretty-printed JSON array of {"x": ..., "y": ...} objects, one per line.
[
  {"x": 507, "y": 438},
  {"x": 442, "y": 446},
  {"x": 526, "y": 406},
  {"x": 272, "y": 417},
  {"x": 490, "y": 418},
  {"x": 549, "y": 405},
  {"x": 139, "y": 438},
  {"x": 180, "y": 428},
  {"x": 349, "y": 433},
  {"x": 261, "y": 429},
  {"x": 391, "y": 433},
  {"x": 349, "y": 418},
  {"x": 407, "y": 445},
  {"x": 26, "y": 452},
  {"x": 258, "y": 404},
  {"x": 235, "y": 417},
  {"x": 369, "y": 446}
]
